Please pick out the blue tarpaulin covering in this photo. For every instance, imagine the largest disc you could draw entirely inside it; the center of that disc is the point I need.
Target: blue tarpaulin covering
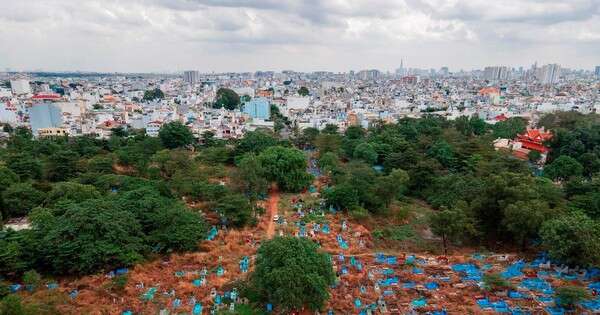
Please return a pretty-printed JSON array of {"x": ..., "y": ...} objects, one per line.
[
  {"x": 388, "y": 282},
  {"x": 431, "y": 285},
  {"x": 422, "y": 302},
  {"x": 592, "y": 305},
  {"x": 537, "y": 284}
]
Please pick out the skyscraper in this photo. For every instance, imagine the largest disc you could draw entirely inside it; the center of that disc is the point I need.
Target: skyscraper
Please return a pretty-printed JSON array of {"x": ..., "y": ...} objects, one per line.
[
  {"x": 549, "y": 74},
  {"x": 191, "y": 77},
  {"x": 496, "y": 73},
  {"x": 598, "y": 71}
]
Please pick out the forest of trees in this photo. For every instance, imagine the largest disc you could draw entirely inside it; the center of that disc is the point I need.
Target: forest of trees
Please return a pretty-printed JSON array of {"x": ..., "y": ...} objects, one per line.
[{"x": 95, "y": 205}]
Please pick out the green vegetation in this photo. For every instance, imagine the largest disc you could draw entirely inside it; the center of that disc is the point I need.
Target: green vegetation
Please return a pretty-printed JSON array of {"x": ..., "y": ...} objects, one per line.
[
  {"x": 569, "y": 296},
  {"x": 175, "y": 135},
  {"x": 291, "y": 273},
  {"x": 156, "y": 94},
  {"x": 227, "y": 98},
  {"x": 303, "y": 91},
  {"x": 495, "y": 282}
]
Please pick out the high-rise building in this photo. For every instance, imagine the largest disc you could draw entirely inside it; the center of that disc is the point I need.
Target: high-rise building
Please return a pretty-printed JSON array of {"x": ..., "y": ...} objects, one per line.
[
  {"x": 20, "y": 86},
  {"x": 45, "y": 115},
  {"x": 191, "y": 77},
  {"x": 598, "y": 71},
  {"x": 444, "y": 72},
  {"x": 549, "y": 74},
  {"x": 496, "y": 73}
]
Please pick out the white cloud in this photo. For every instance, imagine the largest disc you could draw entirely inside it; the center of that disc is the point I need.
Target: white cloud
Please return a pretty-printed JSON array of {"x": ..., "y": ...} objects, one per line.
[{"x": 219, "y": 35}]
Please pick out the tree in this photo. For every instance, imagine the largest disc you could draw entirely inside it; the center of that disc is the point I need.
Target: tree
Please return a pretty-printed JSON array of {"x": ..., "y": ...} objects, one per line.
[
  {"x": 74, "y": 192},
  {"x": 236, "y": 209},
  {"x": 524, "y": 218},
  {"x": 61, "y": 165},
  {"x": 32, "y": 279},
  {"x": 573, "y": 238},
  {"x": 365, "y": 152},
  {"x": 563, "y": 168},
  {"x": 7, "y": 178},
  {"x": 329, "y": 162},
  {"x": 176, "y": 228},
  {"x": 330, "y": 129},
  {"x": 20, "y": 198},
  {"x": 569, "y": 296},
  {"x": 91, "y": 235},
  {"x": 451, "y": 225},
  {"x": 291, "y": 273},
  {"x": 175, "y": 135},
  {"x": 389, "y": 187},
  {"x": 255, "y": 142},
  {"x": 307, "y": 137},
  {"x": 227, "y": 98},
  {"x": 286, "y": 166},
  {"x": 251, "y": 176},
  {"x": 510, "y": 128},
  {"x": 155, "y": 94},
  {"x": 101, "y": 164},
  {"x": 303, "y": 91},
  {"x": 25, "y": 165},
  {"x": 326, "y": 142}
]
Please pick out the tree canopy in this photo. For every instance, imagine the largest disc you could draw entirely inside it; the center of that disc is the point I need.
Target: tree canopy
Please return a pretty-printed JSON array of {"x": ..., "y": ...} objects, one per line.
[{"x": 292, "y": 273}]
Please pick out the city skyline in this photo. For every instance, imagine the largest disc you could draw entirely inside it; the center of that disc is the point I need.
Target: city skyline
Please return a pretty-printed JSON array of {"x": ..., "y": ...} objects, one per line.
[{"x": 239, "y": 36}]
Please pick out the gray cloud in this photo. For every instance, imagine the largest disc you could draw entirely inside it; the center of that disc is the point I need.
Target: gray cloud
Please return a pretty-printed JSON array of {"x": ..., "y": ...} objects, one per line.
[{"x": 150, "y": 35}]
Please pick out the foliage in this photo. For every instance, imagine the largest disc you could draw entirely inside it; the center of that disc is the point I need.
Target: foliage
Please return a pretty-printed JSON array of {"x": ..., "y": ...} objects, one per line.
[
  {"x": 286, "y": 166},
  {"x": 175, "y": 135},
  {"x": 227, "y": 98},
  {"x": 495, "y": 282},
  {"x": 569, "y": 296},
  {"x": 32, "y": 279},
  {"x": 303, "y": 91},
  {"x": 235, "y": 209},
  {"x": 291, "y": 273},
  {"x": 452, "y": 225},
  {"x": 155, "y": 94},
  {"x": 573, "y": 239},
  {"x": 510, "y": 128},
  {"x": 20, "y": 198},
  {"x": 564, "y": 167}
]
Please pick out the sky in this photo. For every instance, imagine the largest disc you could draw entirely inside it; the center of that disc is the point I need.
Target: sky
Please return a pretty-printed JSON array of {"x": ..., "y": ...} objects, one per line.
[{"x": 301, "y": 35}]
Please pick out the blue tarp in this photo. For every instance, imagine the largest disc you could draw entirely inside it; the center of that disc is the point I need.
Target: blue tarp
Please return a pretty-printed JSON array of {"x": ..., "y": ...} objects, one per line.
[
  {"x": 592, "y": 305},
  {"x": 537, "y": 284},
  {"x": 409, "y": 285},
  {"x": 388, "y": 282},
  {"x": 197, "y": 309},
  {"x": 514, "y": 270},
  {"x": 555, "y": 310},
  {"x": 431, "y": 285},
  {"x": 422, "y": 302},
  {"x": 417, "y": 271}
]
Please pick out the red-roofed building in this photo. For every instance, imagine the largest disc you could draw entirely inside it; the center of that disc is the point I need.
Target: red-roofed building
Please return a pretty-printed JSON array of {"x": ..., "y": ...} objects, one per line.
[
  {"x": 46, "y": 97},
  {"x": 533, "y": 139},
  {"x": 500, "y": 117}
]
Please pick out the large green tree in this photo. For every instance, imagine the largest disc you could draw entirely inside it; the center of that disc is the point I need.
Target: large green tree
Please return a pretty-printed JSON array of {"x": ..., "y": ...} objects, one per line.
[
  {"x": 175, "y": 135},
  {"x": 21, "y": 198},
  {"x": 286, "y": 166},
  {"x": 573, "y": 238},
  {"x": 291, "y": 273},
  {"x": 227, "y": 98}
]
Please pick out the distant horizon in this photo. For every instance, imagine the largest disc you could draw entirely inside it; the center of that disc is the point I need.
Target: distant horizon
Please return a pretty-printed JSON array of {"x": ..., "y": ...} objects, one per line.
[
  {"x": 391, "y": 71},
  {"x": 165, "y": 36}
]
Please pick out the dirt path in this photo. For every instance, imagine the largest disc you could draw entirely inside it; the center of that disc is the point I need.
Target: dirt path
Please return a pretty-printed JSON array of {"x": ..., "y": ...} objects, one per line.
[{"x": 272, "y": 205}]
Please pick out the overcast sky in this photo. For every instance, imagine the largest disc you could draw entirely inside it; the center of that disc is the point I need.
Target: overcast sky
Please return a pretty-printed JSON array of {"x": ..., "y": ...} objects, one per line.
[{"x": 303, "y": 35}]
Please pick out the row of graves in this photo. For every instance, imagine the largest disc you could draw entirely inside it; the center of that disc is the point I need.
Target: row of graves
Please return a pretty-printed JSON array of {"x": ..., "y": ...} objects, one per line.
[{"x": 370, "y": 283}]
